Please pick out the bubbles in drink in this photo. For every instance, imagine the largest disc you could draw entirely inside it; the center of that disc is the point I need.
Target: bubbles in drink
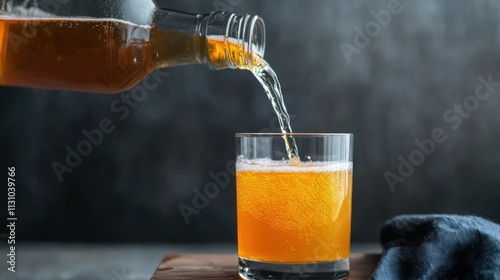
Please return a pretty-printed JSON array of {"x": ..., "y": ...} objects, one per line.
[{"x": 293, "y": 205}]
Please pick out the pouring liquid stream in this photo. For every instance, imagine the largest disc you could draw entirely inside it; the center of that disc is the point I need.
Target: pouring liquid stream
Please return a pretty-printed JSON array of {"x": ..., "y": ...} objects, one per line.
[
  {"x": 221, "y": 49},
  {"x": 269, "y": 81}
]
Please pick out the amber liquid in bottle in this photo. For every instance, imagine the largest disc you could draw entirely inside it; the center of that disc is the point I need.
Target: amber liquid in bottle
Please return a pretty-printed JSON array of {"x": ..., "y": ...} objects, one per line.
[{"x": 89, "y": 55}]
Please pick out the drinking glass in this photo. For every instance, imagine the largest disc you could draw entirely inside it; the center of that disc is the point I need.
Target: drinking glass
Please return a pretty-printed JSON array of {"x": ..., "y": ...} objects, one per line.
[{"x": 294, "y": 221}]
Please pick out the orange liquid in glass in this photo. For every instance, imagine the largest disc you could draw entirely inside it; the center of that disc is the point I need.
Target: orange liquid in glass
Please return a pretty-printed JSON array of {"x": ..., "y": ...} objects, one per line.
[{"x": 298, "y": 216}]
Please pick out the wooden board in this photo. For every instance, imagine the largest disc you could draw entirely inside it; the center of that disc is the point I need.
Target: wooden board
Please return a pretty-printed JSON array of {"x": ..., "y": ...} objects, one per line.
[{"x": 224, "y": 267}]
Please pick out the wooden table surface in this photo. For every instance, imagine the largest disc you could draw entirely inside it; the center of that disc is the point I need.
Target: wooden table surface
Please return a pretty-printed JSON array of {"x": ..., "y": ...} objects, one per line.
[{"x": 224, "y": 267}]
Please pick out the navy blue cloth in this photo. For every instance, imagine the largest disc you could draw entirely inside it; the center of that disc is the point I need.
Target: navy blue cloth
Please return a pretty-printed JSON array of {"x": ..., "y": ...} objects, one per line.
[{"x": 439, "y": 247}]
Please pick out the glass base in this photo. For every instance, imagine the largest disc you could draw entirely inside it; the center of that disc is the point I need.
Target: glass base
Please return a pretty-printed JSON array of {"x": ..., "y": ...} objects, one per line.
[{"x": 250, "y": 270}]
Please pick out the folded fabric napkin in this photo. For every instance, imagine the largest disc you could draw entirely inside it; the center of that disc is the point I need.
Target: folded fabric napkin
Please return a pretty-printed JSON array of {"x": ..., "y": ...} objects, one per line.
[{"x": 439, "y": 247}]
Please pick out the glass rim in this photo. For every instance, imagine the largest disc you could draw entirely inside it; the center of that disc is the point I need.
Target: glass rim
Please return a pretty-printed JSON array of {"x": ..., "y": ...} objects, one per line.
[{"x": 272, "y": 134}]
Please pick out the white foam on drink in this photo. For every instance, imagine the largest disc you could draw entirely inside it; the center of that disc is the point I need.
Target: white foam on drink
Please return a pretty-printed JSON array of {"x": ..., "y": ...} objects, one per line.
[{"x": 268, "y": 165}]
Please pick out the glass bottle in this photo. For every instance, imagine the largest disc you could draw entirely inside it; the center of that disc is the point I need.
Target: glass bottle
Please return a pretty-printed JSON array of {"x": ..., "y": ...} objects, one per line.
[{"x": 110, "y": 46}]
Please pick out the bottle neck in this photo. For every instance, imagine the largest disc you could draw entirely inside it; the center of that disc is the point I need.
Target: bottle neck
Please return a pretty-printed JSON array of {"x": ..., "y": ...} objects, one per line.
[{"x": 218, "y": 40}]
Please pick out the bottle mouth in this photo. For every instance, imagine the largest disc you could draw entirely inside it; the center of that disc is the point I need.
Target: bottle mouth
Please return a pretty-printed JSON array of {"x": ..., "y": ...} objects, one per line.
[
  {"x": 244, "y": 37},
  {"x": 257, "y": 37},
  {"x": 249, "y": 32}
]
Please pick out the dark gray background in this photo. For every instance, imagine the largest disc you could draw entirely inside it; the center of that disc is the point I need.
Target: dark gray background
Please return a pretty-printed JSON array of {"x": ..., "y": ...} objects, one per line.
[{"x": 393, "y": 92}]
